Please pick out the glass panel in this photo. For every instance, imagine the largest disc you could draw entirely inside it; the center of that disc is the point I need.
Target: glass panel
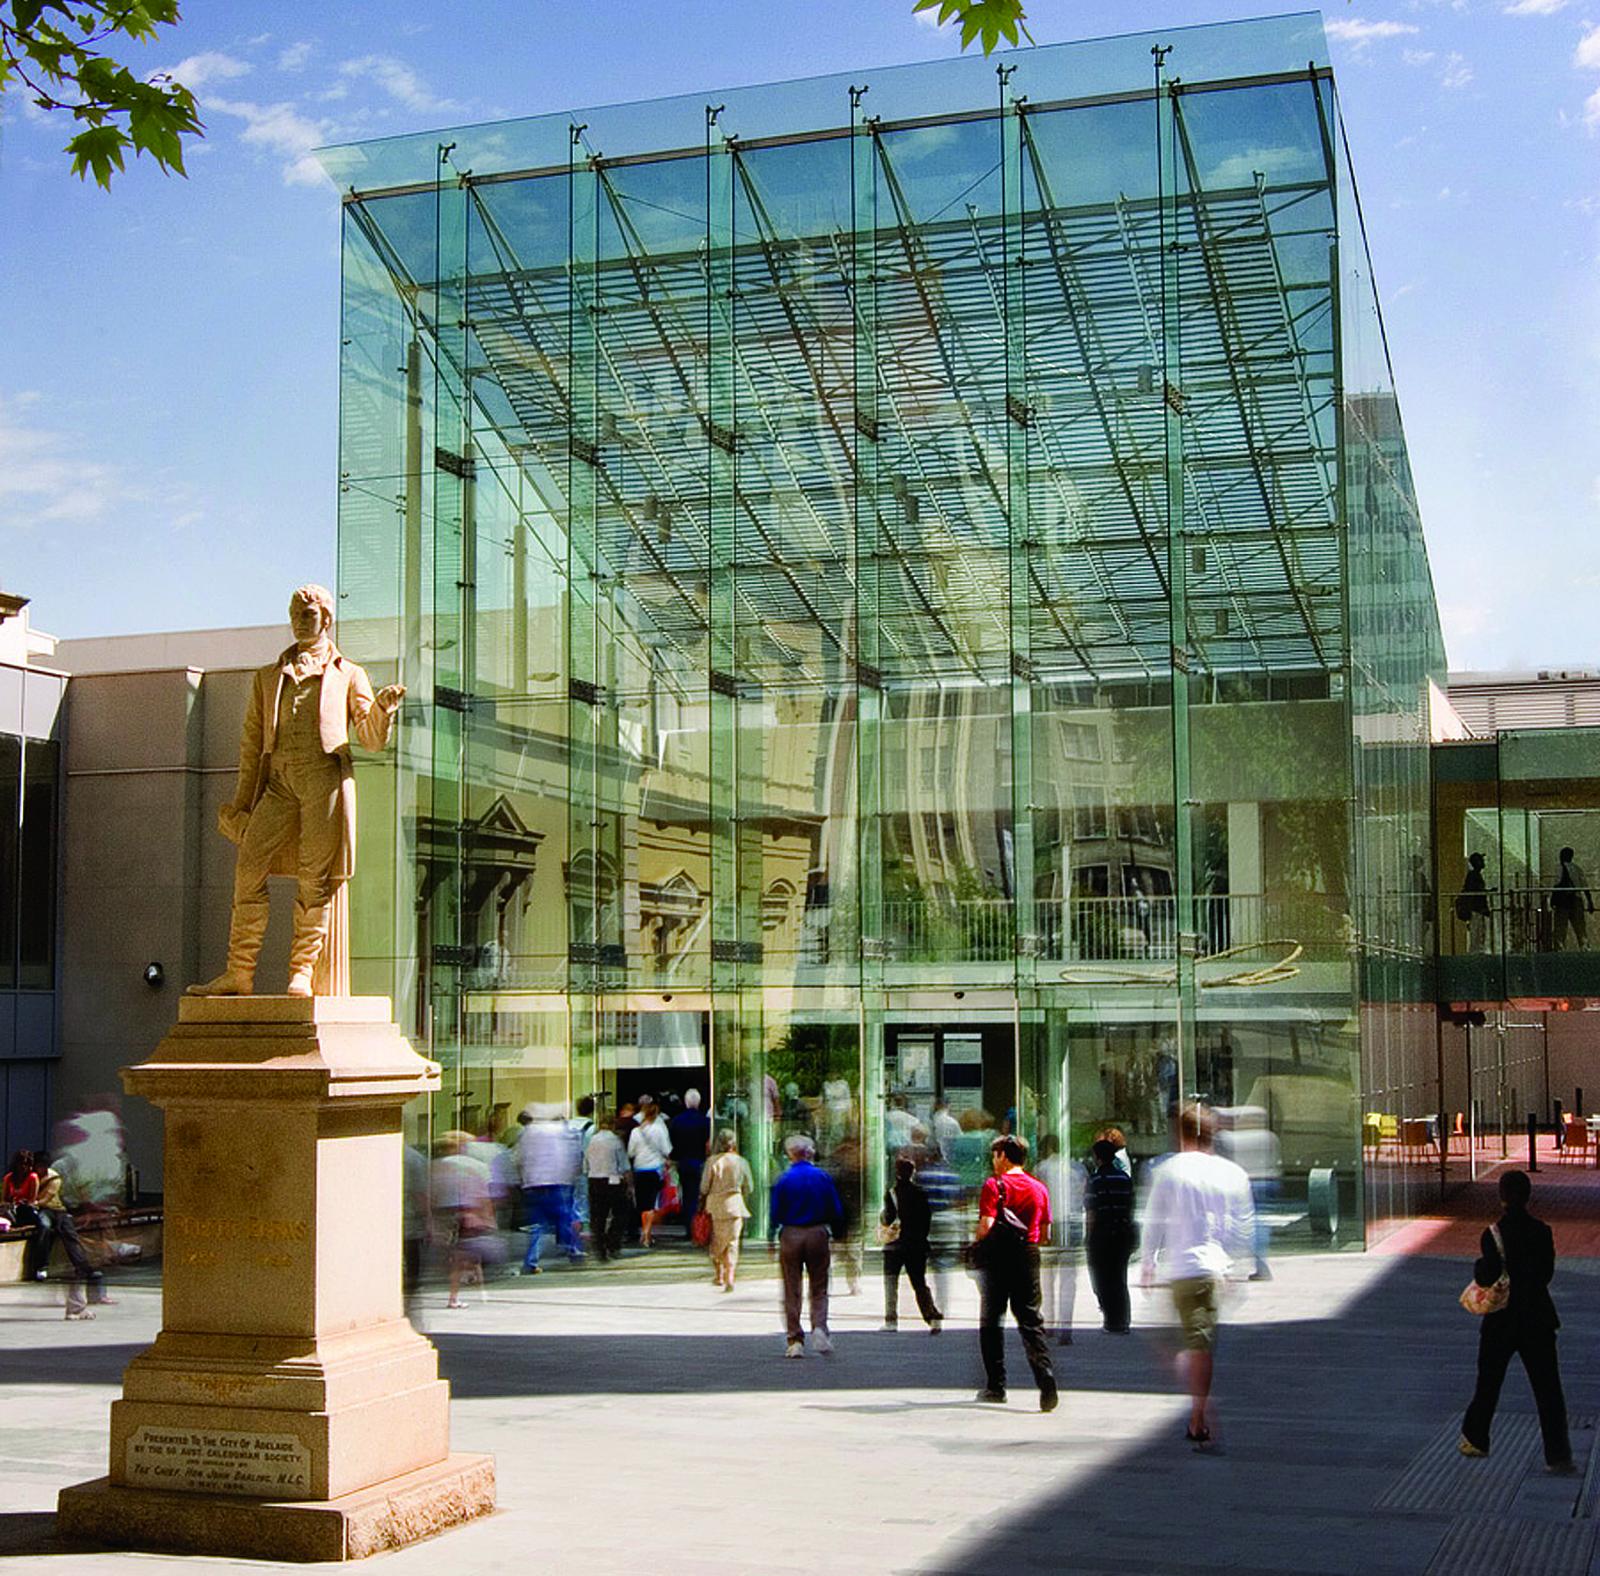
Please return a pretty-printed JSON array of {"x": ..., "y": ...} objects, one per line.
[
  {"x": 36, "y": 866},
  {"x": 10, "y": 835}
]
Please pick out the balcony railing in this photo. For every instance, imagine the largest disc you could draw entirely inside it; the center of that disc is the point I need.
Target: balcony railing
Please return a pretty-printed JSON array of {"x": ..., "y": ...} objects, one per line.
[{"x": 933, "y": 930}]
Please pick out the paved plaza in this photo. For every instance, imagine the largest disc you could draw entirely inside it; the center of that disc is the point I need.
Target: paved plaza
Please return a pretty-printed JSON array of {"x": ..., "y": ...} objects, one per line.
[{"x": 638, "y": 1415}]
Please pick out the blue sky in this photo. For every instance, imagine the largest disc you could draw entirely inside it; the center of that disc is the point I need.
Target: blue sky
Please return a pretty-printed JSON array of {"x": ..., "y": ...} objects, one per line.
[{"x": 168, "y": 368}]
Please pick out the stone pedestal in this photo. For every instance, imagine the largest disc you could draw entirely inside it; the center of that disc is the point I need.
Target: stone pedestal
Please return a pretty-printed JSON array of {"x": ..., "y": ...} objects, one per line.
[{"x": 287, "y": 1409}]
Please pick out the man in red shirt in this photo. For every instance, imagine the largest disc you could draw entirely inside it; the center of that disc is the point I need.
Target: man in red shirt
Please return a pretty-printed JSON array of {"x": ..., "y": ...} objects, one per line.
[{"x": 1013, "y": 1219}]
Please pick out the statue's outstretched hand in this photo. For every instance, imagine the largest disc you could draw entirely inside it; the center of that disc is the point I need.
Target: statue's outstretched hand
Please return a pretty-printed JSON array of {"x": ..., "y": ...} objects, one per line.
[{"x": 389, "y": 697}]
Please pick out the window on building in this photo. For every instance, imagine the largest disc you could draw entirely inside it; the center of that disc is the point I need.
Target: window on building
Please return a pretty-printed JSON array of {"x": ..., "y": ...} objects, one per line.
[
  {"x": 10, "y": 818},
  {"x": 36, "y": 866},
  {"x": 777, "y": 902},
  {"x": 1088, "y": 819}
]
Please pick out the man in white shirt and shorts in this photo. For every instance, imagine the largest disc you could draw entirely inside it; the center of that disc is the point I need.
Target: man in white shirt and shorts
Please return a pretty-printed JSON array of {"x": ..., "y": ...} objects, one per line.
[{"x": 1199, "y": 1225}]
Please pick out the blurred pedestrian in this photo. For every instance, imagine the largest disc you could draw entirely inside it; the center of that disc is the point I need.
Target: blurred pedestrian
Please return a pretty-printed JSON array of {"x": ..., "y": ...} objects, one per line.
[
  {"x": 898, "y": 1126},
  {"x": 945, "y": 1128},
  {"x": 805, "y": 1215},
  {"x": 605, "y": 1169},
  {"x": 465, "y": 1213},
  {"x": 86, "y": 1284},
  {"x": 649, "y": 1153},
  {"x": 413, "y": 1218},
  {"x": 690, "y": 1131},
  {"x": 904, "y": 1224},
  {"x": 547, "y": 1166},
  {"x": 1063, "y": 1179},
  {"x": 1013, "y": 1220},
  {"x": 969, "y": 1152},
  {"x": 1109, "y": 1235},
  {"x": 1199, "y": 1230},
  {"x": 583, "y": 1130},
  {"x": 947, "y": 1232},
  {"x": 725, "y": 1197},
  {"x": 1521, "y": 1248},
  {"x": 627, "y": 1120},
  {"x": 845, "y": 1167},
  {"x": 1244, "y": 1137}
]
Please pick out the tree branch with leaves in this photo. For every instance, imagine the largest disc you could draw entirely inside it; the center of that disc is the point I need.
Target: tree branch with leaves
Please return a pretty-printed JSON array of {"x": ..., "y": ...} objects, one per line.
[
  {"x": 53, "y": 50},
  {"x": 985, "y": 20}
]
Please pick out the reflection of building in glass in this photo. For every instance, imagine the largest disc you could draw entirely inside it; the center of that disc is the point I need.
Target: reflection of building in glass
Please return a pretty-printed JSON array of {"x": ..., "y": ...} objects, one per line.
[
  {"x": 1516, "y": 810},
  {"x": 900, "y": 592}
]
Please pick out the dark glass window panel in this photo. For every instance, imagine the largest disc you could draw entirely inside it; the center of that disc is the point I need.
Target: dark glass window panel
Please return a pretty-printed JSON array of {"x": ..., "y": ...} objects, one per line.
[
  {"x": 10, "y": 789},
  {"x": 36, "y": 866}
]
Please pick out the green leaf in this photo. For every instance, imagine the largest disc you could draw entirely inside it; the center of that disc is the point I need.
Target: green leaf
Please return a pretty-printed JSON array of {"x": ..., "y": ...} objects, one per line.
[
  {"x": 57, "y": 46},
  {"x": 98, "y": 152},
  {"x": 985, "y": 20}
]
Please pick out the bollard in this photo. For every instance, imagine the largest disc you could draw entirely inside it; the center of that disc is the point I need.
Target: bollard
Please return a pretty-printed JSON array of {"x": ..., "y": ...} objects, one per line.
[
  {"x": 1533, "y": 1141},
  {"x": 1561, "y": 1127}
]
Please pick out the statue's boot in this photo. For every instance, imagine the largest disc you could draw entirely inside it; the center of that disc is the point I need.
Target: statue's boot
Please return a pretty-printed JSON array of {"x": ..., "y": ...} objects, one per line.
[
  {"x": 227, "y": 983},
  {"x": 248, "y": 926},
  {"x": 309, "y": 937}
]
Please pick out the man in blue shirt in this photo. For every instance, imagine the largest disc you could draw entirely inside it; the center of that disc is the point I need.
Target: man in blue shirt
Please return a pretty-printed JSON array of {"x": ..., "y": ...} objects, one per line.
[
  {"x": 806, "y": 1214},
  {"x": 690, "y": 1131}
]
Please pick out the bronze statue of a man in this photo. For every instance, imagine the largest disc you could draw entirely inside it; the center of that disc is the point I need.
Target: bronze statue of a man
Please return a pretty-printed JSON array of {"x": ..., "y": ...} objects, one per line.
[{"x": 294, "y": 811}]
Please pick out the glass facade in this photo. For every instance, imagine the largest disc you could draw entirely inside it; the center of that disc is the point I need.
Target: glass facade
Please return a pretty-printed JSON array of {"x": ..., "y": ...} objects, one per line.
[
  {"x": 1526, "y": 805},
  {"x": 910, "y": 588}
]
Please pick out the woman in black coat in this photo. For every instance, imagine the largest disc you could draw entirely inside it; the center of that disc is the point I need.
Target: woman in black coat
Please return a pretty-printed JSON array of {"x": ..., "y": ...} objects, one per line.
[
  {"x": 1525, "y": 1327},
  {"x": 906, "y": 1206}
]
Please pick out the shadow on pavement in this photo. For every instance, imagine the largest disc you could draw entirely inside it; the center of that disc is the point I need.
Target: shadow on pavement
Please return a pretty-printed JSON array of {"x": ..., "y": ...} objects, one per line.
[
  {"x": 1317, "y": 1420},
  {"x": 24, "y": 1532}
]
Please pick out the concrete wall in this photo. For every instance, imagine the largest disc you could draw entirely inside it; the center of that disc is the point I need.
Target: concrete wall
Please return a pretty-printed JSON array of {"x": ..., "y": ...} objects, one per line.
[{"x": 147, "y": 877}]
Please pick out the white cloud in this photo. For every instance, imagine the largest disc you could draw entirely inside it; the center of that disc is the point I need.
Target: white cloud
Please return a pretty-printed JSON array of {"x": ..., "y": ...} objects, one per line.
[
  {"x": 1463, "y": 620},
  {"x": 1457, "y": 73},
  {"x": 210, "y": 65},
  {"x": 1535, "y": 7},
  {"x": 1588, "y": 56},
  {"x": 1357, "y": 33},
  {"x": 1416, "y": 57},
  {"x": 295, "y": 56},
  {"x": 281, "y": 129},
  {"x": 48, "y": 478},
  {"x": 1591, "y": 111},
  {"x": 1240, "y": 169},
  {"x": 399, "y": 81}
]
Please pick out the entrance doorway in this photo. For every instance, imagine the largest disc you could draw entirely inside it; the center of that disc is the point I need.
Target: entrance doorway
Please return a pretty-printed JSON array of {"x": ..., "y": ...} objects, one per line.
[
  {"x": 970, "y": 1066},
  {"x": 654, "y": 1052}
]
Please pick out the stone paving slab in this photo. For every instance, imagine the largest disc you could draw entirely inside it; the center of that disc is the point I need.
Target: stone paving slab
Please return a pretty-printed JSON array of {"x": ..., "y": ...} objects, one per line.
[{"x": 649, "y": 1412}]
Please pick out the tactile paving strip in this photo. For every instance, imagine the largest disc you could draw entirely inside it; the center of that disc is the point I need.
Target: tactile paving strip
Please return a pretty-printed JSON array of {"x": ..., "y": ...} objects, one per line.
[
  {"x": 1491, "y": 1546},
  {"x": 1441, "y": 1480}
]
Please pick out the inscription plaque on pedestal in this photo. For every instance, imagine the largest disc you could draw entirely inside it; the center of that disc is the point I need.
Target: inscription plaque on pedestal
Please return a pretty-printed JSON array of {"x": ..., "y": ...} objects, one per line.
[{"x": 216, "y": 1461}]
